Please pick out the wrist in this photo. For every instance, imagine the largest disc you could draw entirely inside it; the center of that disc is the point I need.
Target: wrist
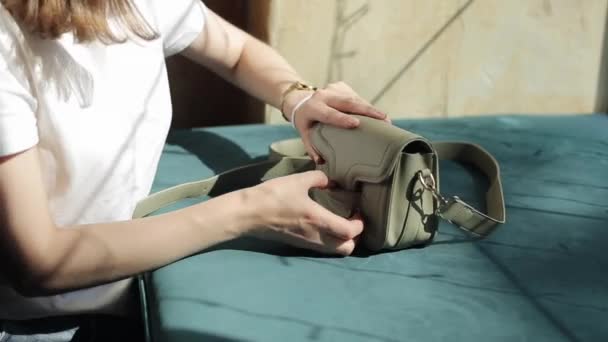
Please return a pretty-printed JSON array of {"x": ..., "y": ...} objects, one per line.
[
  {"x": 229, "y": 216},
  {"x": 291, "y": 95},
  {"x": 292, "y": 100},
  {"x": 253, "y": 212}
]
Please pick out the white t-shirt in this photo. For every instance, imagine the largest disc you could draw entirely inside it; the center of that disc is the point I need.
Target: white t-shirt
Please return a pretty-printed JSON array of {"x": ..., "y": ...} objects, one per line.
[{"x": 100, "y": 115}]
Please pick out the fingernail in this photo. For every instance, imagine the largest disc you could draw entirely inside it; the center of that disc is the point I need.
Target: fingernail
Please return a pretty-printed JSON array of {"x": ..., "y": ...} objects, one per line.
[{"x": 354, "y": 122}]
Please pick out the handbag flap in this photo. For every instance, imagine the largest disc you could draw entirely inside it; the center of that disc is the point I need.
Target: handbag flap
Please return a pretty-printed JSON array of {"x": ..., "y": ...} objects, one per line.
[{"x": 368, "y": 153}]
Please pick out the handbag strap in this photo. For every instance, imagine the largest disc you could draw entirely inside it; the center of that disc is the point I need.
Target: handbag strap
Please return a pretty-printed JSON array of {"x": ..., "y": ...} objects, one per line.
[
  {"x": 238, "y": 178},
  {"x": 459, "y": 212}
]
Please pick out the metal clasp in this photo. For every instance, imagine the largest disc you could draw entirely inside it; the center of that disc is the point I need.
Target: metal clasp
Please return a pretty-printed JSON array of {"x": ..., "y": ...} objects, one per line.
[{"x": 428, "y": 182}]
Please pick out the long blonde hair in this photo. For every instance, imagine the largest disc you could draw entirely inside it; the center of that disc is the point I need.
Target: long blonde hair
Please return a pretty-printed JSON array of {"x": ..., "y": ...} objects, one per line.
[{"x": 87, "y": 19}]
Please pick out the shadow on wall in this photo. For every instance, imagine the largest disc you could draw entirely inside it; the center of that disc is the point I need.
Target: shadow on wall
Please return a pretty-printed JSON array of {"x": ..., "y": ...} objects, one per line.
[{"x": 345, "y": 22}]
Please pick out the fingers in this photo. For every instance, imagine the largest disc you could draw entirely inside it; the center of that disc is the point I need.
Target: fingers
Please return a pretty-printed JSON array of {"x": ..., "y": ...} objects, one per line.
[
  {"x": 354, "y": 105},
  {"x": 330, "y": 244},
  {"x": 334, "y": 225},
  {"x": 334, "y": 117},
  {"x": 330, "y": 223},
  {"x": 344, "y": 246},
  {"x": 295, "y": 218},
  {"x": 313, "y": 179},
  {"x": 337, "y": 246},
  {"x": 333, "y": 105},
  {"x": 326, "y": 244},
  {"x": 312, "y": 153},
  {"x": 342, "y": 97}
]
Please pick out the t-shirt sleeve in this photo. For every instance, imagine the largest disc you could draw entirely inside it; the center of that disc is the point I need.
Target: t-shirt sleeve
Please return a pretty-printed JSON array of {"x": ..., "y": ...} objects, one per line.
[
  {"x": 179, "y": 22},
  {"x": 18, "y": 127}
]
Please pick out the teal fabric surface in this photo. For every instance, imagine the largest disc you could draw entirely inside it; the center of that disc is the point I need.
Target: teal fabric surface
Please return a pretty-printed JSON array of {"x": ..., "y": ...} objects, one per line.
[{"x": 543, "y": 276}]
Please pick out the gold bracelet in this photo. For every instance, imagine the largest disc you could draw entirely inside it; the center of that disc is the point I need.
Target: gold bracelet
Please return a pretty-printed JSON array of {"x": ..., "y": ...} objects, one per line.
[{"x": 297, "y": 85}]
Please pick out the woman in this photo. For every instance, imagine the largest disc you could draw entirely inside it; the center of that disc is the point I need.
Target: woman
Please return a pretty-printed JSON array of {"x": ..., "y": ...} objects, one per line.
[{"x": 84, "y": 111}]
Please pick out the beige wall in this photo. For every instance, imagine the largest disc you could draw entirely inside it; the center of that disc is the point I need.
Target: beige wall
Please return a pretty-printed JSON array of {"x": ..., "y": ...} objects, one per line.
[{"x": 448, "y": 57}]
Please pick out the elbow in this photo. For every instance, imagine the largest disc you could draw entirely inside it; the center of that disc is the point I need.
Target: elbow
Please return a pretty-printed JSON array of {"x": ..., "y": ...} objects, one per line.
[
  {"x": 34, "y": 281},
  {"x": 28, "y": 289},
  {"x": 34, "y": 272},
  {"x": 235, "y": 60}
]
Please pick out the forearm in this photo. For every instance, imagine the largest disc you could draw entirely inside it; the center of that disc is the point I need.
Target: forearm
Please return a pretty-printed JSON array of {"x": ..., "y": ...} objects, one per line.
[
  {"x": 89, "y": 255},
  {"x": 263, "y": 73},
  {"x": 242, "y": 59}
]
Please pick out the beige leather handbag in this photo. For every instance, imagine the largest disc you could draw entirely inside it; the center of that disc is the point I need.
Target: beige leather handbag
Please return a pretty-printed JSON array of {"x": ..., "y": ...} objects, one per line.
[{"x": 389, "y": 175}]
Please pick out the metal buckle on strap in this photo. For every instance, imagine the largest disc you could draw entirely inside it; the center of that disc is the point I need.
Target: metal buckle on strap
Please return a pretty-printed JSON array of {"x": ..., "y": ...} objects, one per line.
[{"x": 426, "y": 178}]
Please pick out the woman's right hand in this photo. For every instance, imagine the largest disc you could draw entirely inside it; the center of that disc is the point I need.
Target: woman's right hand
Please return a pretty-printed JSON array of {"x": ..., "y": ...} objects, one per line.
[{"x": 287, "y": 214}]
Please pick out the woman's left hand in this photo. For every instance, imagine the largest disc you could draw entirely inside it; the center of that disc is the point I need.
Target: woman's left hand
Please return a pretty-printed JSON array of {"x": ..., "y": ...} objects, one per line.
[{"x": 331, "y": 105}]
